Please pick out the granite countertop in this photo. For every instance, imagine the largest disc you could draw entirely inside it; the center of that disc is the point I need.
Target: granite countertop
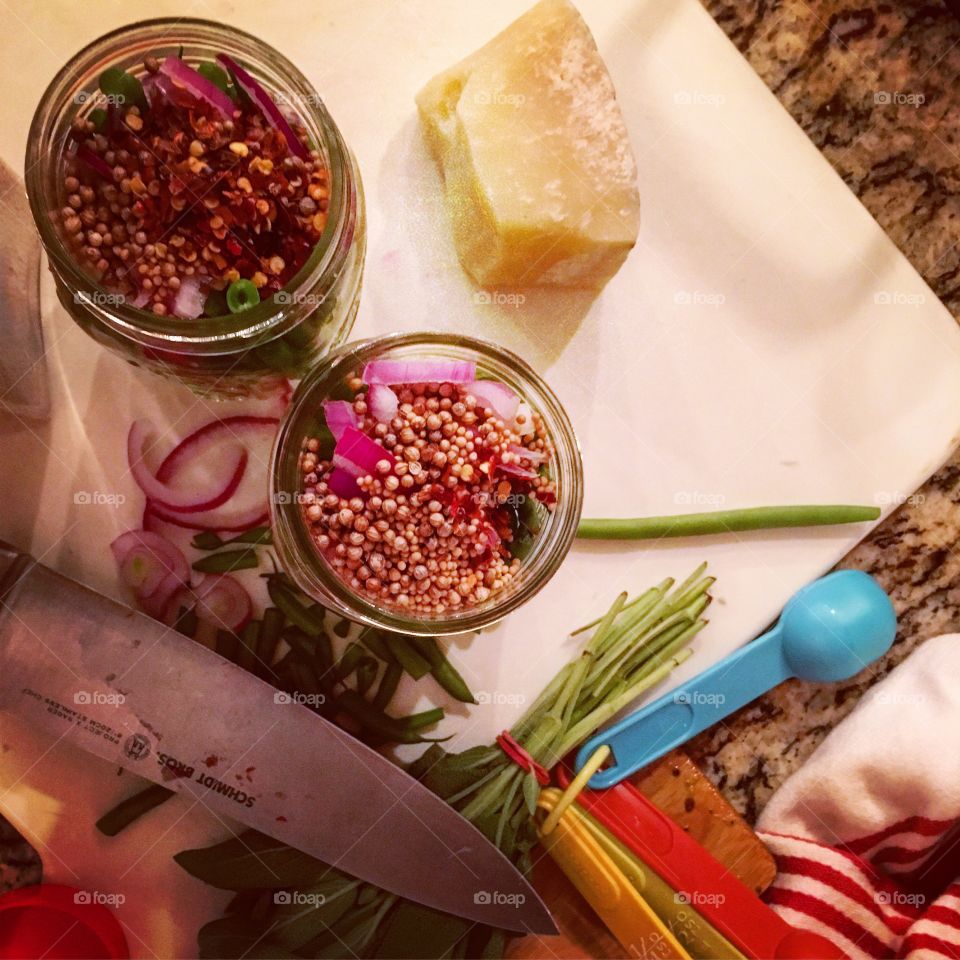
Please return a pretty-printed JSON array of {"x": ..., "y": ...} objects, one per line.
[{"x": 872, "y": 85}]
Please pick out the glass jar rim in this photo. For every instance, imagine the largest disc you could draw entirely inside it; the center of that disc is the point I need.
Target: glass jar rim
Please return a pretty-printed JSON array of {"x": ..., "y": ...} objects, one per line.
[
  {"x": 268, "y": 318},
  {"x": 300, "y": 557}
]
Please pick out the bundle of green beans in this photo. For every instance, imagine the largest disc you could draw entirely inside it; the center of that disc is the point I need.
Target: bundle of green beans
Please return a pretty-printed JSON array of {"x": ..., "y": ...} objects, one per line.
[{"x": 634, "y": 646}]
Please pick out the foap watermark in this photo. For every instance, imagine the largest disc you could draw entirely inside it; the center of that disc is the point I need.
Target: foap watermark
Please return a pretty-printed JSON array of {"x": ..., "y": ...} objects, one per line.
[
  {"x": 499, "y": 698},
  {"x": 290, "y": 297},
  {"x": 895, "y": 698},
  {"x": 699, "y": 498},
  {"x": 98, "y": 99},
  {"x": 698, "y": 98},
  {"x": 298, "y": 898},
  {"x": 698, "y": 298},
  {"x": 486, "y": 898},
  {"x": 281, "y": 497},
  {"x": 696, "y": 698},
  {"x": 898, "y": 898},
  {"x": 98, "y": 498},
  {"x": 99, "y": 298},
  {"x": 499, "y": 298},
  {"x": 499, "y": 98},
  {"x": 898, "y": 298},
  {"x": 488, "y": 498},
  {"x": 304, "y": 699},
  {"x": 886, "y": 498},
  {"x": 899, "y": 98},
  {"x": 697, "y": 898},
  {"x": 99, "y": 698},
  {"x": 101, "y": 897}
]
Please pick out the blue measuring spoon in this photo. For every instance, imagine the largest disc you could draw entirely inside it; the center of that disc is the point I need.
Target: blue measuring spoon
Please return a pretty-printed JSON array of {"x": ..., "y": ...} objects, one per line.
[{"x": 829, "y": 630}]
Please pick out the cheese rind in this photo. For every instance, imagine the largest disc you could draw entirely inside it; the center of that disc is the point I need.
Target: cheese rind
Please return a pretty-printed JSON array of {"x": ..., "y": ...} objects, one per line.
[{"x": 540, "y": 179}]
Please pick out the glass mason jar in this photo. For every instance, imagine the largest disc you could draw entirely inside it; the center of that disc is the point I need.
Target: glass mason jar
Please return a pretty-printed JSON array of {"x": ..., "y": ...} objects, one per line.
[
  {"x": 237, "y": 354},
  {"x": 301, "y": 558}
]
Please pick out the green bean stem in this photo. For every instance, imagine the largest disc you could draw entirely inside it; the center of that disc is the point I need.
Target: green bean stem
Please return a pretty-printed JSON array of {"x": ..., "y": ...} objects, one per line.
[{"x": 723, "y": 521}]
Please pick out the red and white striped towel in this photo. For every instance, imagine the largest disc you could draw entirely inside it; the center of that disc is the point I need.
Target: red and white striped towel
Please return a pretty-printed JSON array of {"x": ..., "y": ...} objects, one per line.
[{"x": 866, "y": 833}]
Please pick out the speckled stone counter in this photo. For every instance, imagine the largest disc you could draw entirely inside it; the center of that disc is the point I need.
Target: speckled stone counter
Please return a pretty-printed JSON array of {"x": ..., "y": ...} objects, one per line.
[{"x": 874, "y": 85}]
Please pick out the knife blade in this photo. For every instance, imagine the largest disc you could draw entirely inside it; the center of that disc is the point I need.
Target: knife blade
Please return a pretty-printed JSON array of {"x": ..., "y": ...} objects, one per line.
[{"x": 103, "y": 677}]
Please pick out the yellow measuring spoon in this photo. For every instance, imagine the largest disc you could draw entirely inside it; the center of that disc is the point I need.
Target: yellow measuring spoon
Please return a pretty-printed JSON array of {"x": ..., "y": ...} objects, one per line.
[
  {"x": 604, "y": 886},
  {"x": 697, "y": 936}
]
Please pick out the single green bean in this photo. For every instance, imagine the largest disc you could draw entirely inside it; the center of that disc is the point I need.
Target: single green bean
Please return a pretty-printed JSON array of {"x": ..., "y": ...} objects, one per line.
[
  {"x": 388, "y": 685},
  {"x": 442, "y": 670},
  {"x": 410, "y": 660},
  {"x": 247, "y": 654},
  {"x": 417, "y": 721},
  {"x": 367, "y": 671},
  {"x": 269, "y": 638},
  {"x": 350, "y": 660},
  {"x": 208, "y": 540},
  {"x": 125, "y": 812},
  {"x": 376, "y": 721},
  {"x": 373, "y": 640},
  {"x": 723, "y": 521},
  {"x": 293, "y": 609}
]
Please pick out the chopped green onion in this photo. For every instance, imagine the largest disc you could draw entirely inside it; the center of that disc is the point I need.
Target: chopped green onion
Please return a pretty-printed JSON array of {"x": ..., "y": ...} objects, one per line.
[{"x": 241, "y": 295}]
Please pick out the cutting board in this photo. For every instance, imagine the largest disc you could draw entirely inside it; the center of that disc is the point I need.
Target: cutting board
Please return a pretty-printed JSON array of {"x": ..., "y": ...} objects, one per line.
[
  {"x": 764, "y": 343},
  {"x": 679, "y": 788}
]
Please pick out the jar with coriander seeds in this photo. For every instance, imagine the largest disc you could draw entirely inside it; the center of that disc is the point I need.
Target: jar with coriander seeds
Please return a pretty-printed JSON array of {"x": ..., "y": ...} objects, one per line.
[
  {"x": 201, "y": 213},
  {"x": 424, "y": 483}
]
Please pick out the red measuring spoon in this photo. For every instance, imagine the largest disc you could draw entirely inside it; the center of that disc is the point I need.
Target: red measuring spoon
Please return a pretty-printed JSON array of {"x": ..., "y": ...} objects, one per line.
[{"x": 726, "y": 903}]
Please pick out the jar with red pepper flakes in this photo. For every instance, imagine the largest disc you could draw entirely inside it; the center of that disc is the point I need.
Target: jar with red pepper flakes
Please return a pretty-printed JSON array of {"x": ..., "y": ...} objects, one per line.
[
  {"x": 424, "y": 483},
  {"x": 201, "y": 212}
]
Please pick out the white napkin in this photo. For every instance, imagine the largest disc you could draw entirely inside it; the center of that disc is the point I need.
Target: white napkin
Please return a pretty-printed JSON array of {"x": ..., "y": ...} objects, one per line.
[{"x": 859, "y": 831}]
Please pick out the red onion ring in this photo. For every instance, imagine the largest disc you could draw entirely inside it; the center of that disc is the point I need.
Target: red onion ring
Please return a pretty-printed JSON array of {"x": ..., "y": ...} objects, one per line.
[
  {"x": 221, "y": 600},
  {"x": 146, "y": 559},
  {"x": 265, "y": 102},
  {"x": 198, "y": 85},
  {"x": 181, "y": 501},
  {"x": 343, "y": 484},
  {"x": 497, "y": 396},
  {"x": 356, "y": 453},
  {"x": 419, "y": 371},
  {"x": 383, "y": 402},
  {"x": 339, "y": 415}
]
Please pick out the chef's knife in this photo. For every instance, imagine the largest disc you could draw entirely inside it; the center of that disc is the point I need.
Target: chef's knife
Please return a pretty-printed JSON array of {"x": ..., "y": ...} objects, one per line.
[{"x": 105, "y": 678}]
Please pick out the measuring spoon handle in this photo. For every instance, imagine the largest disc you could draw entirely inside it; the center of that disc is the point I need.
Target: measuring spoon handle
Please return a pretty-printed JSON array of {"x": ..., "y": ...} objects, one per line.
[{"x": 697, "y": 704}]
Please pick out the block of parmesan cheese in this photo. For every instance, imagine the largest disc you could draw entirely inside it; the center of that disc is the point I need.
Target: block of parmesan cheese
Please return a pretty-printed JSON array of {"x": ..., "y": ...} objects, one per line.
[{"x": 540, "y": 179}]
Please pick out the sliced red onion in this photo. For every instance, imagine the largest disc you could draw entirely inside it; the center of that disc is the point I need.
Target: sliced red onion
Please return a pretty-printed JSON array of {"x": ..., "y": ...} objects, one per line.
[
  {"x": 419, "y": 371},
  {"x": 197, "y": 84},
  {"x": 265, "y": 102},
  {"x": 525, "y": 429},
  {"x": 142, "y": 299},
  {"x": 343, "y": 484},
  {"x": 339, "y": 415},
  {"x": 223, "y": 602},
  {"x": 145, "y": 559},
  {"x": 497, "y": 396},
  {"x": 356, "y": 453},
  {"x": 159, "y": 602},
  {"x": 218, "y": 521},
  {"x": 493, "y": 538},
  {"x": 533, "y": 456},
  {"x": 230, "y": 471},
  {"x": 185, "y": 466},
  {"x": 190, "y": 298},
  {"x": 383, "y": 402},
  {"x": 95, "y": 162},
  {"x": 514, "y": 471}
]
